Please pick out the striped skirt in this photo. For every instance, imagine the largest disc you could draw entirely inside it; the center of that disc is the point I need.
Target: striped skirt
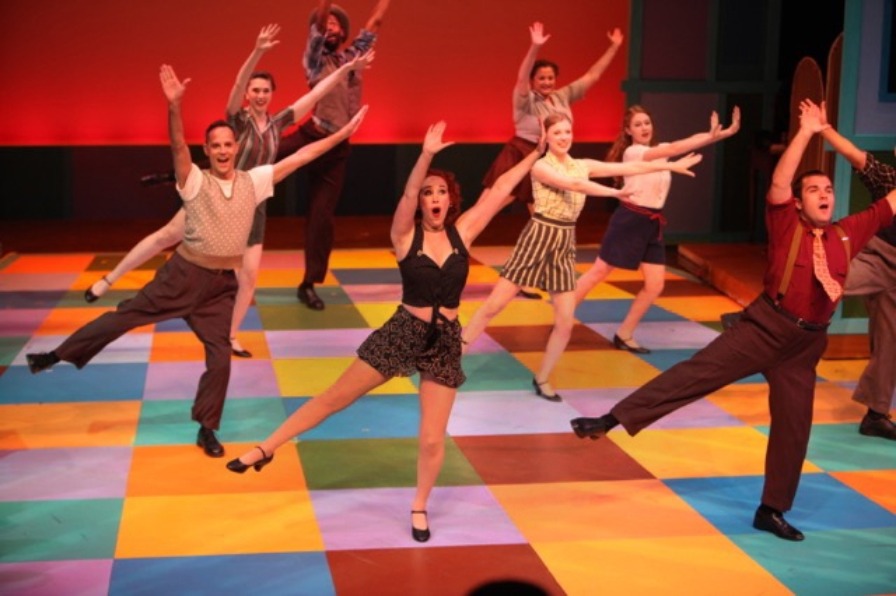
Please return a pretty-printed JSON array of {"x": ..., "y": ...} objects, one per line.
[{"x": 544, "y": 256}]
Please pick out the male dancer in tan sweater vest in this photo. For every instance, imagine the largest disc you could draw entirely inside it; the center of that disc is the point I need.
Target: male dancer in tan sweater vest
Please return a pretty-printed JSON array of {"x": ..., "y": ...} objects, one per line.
[{"x": 198, "y": 282}]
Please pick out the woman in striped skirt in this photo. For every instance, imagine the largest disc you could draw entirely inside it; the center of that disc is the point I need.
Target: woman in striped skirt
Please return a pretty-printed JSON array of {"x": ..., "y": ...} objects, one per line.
[{"x": 545, "y": 253}]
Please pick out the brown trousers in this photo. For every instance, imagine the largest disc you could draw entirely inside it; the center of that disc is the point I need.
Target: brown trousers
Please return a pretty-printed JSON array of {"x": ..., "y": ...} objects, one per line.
[
  {"x": 180, "y": 289},
  {"x": 872, "y": 275},
  {"x": 326, "y": 176},
  {"x": 763, "y": 341}
]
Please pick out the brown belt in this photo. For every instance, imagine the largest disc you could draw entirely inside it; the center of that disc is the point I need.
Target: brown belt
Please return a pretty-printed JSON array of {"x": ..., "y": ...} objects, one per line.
[{"x": 798, "y": 321}]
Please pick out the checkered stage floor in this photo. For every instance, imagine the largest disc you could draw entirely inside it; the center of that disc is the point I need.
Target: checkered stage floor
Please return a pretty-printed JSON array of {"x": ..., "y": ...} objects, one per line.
[{"x": 102, "y": 489}]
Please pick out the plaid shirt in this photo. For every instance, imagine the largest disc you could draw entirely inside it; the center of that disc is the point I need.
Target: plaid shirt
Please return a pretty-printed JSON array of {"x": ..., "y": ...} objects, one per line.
[
  {"x": 879, "y": 178},
  {"x": 337, "y": 107},
  {"x": 258, "y": 147},
  {"x": 555, "y": 203}
]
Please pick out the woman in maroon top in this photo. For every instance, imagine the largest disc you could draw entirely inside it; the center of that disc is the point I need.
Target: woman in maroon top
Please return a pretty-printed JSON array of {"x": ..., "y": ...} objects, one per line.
[{"x": 781, "y": 335}]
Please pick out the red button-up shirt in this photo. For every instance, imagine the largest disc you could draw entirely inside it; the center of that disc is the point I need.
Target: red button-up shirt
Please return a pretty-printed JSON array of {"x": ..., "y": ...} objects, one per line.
[{"x": 805, "y": 297}]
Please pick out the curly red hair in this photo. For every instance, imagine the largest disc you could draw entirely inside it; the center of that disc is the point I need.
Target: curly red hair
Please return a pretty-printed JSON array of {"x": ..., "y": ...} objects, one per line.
[{"x": 453, "y": 193}]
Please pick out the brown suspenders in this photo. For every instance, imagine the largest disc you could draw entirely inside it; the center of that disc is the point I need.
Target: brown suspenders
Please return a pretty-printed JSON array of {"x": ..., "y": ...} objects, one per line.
[{"x": 794, "y": 249}]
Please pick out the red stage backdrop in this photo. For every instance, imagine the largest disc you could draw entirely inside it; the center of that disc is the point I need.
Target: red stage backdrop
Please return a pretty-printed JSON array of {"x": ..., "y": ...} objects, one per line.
[{"x": 86, "y": 73}]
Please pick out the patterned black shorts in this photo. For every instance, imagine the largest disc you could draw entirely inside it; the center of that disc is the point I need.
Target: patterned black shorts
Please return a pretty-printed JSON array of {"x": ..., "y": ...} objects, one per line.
[{"x": 399, "y": 349}]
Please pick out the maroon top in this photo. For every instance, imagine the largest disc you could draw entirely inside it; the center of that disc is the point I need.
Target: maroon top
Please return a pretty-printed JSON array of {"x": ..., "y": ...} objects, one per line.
[{"x": 805, "y": 297}]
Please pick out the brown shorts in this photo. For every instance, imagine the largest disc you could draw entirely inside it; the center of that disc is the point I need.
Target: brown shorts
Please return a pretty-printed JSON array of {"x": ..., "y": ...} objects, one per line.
[{"x": 399, "y": 349}]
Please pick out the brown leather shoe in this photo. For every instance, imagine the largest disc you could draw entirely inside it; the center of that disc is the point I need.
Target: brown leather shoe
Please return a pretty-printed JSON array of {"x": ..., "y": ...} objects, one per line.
[
  {"x": 593, "y": 428},
  {"x": 309, "y": 297},
  {"x": 878, "y": 426},
  {"x": 209, "y": 442},
  {"x": 774, "y": 522},
  {"x": 41, "y": 361}
]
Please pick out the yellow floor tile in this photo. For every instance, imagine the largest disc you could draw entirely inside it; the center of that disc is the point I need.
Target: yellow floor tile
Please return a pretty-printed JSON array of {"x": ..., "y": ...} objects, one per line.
[
  {"x": 601, "y": 368},
  {"x": 55, "y": 263},
  {"x": 623, "y": 275},
  {"x": 184, "y": 470},
  {"x": 746, "y": 401},
  {"x": 607, "y": 291},
  {"x": 599, "y": 510},
  {"x": 289, "y": 278},
  {"x": 699, "y": 452},
  {"x": 491, "y": 255},
  {"x": 263, "y": 522},
  {"x": 65, "y": 321},
  {"x": 834, "y": 403},
  {"x": 176, "y": 346},
  {"x": 692, "y": 565},
  {"x": 182, "y": 346},
  {"x": 708, "y": 308},
  {"x": 79, "y": 424},
  {"x": 877, "y": 485},
  {"x": 279, "y": 278},
  {"x": 482, "y": 274},
  {"x": 749, "y": 403},
  {"x": 375, "y": 258},
  {"x": 375, "y": 314},
  {"x": 132, "y": 280},
  {"x": 533, "y": 312},
  {"x": 841, "y": 370},
  {"x": 256, "y": 342},
  {"x": 294, "y": 380}
]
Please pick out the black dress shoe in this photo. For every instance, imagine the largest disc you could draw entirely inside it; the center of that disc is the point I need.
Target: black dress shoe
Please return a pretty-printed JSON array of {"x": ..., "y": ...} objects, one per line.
[
  {"x": 623, "y": 344},
  {"x": 418, "y": 534},
  {"x": 594, "y": 428},
  {"x": 41, "y": 361},
  {"x": 774, "y": 522},
  {"x": 541, "y": 390},
  {"x": 309, "y": 297},
  {"x": 242, "y": 353},
  {"x": 235, "y": 465},
  {"x": 878, "y": 426},
  {"x": 209, "y": 442}
]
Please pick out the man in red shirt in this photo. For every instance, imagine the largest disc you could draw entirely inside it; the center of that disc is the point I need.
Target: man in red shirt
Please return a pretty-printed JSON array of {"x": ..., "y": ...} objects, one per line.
[{"x": 781, "y": 335}]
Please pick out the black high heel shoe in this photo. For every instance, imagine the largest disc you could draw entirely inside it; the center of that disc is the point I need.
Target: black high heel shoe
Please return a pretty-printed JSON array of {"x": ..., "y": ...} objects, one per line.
[
  {"x": 242, "y": 352},
  {"x": 418, "y": 534},
  {"x": 624, "y": 344},
  {"x": 235, "y": 465},
  {"x": 89, "y": 296},
  {"x": 540, "y": 393}
]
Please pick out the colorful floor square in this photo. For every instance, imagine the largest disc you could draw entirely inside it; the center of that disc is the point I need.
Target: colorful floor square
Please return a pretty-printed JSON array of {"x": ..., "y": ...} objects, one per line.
[{"x": 103, "y": 490}]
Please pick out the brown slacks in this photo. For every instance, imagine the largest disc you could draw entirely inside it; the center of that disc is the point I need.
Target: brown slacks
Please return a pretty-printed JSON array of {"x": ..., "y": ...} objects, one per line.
[
  {"x": 872, "y": 275},
  {"x": 180, "y": 289},
  {"x": 326, "y": 177},
  {"x": 763, "y": 341}
]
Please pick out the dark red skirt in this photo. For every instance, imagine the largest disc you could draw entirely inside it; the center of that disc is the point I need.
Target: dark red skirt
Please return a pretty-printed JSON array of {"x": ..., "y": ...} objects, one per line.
[{"x": 511, "y": 154}]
